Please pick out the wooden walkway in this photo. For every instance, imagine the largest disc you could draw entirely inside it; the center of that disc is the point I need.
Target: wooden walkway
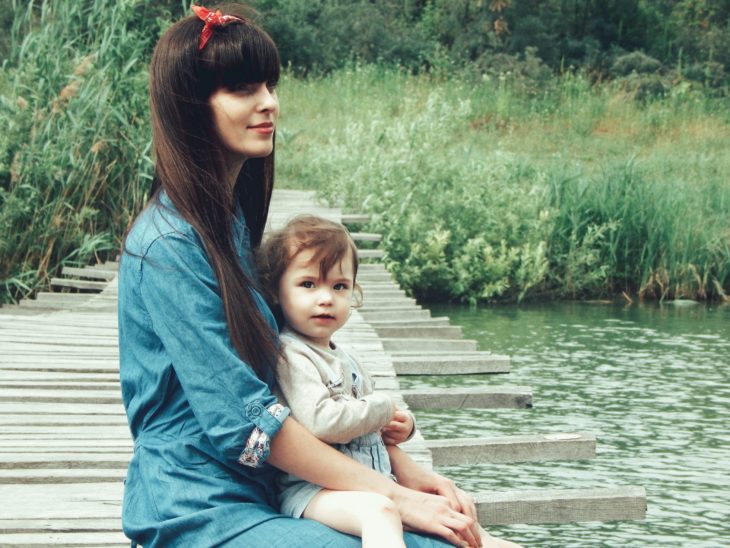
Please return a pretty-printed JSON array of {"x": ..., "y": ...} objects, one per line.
[{"x": 65, "y": 444}]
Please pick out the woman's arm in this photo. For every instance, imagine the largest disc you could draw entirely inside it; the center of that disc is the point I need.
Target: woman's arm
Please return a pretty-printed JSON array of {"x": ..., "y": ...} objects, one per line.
[{"x": 297, "y": 451}]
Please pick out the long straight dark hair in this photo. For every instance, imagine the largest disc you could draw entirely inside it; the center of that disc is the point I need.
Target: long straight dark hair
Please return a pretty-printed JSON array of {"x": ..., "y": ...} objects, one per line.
[{"x": 190, "y": 162}]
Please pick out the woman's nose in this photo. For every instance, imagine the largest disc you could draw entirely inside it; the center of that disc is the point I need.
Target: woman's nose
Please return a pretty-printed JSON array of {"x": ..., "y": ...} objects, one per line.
[{"x": 268, "y": 101}]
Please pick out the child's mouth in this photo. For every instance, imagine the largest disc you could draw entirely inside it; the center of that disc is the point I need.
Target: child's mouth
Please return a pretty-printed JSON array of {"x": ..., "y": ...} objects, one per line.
[{"x": 323, "y": 317}]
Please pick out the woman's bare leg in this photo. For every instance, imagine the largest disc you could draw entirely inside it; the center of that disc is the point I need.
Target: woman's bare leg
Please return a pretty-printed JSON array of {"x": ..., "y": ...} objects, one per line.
[{"x": 371, "y": 516}]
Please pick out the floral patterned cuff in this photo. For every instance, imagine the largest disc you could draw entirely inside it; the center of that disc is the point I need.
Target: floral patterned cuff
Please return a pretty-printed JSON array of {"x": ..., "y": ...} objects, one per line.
[{"x": 258, "y": 444}]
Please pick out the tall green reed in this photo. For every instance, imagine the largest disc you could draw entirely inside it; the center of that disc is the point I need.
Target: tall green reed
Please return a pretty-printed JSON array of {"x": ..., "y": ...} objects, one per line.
[{"x": 74, "y": 160}]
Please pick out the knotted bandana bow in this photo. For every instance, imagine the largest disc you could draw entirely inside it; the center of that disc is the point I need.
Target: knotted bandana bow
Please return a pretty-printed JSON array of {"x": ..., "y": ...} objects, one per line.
[{"x": 211, "y": 19}]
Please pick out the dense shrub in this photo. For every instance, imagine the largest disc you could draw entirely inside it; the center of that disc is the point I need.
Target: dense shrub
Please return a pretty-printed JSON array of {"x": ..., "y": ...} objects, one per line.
[
  {"x": 484, "y": 195},
  {"x": 635, "y": 62}
]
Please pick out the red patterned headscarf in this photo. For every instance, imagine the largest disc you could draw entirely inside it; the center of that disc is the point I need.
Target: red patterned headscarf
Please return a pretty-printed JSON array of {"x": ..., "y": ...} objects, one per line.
[{"x": 211, "y": 19}]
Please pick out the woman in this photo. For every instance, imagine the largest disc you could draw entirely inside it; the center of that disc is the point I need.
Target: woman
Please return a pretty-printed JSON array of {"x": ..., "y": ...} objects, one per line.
[{"x": 198, "y": 344}]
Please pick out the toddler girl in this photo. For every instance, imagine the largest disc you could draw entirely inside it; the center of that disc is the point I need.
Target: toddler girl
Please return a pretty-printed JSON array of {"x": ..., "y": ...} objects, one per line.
[{"x": 309, "y": 269}]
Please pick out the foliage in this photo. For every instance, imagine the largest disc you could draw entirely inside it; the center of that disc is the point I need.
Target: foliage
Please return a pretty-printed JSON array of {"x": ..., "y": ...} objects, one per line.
[
  {"x": 74, "y": 158},
  {"x": 491, "y": 180},
  {"x": 323, "y": 35},
  {"x": 479, "y": 199}
]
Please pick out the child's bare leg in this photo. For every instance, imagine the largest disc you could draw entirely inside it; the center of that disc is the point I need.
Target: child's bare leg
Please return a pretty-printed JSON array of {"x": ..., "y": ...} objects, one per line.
[{"x": 368, "y": 515}]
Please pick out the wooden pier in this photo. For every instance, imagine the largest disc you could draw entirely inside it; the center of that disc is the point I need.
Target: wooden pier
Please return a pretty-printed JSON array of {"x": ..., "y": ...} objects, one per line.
[{"x": 65, "y": 444}]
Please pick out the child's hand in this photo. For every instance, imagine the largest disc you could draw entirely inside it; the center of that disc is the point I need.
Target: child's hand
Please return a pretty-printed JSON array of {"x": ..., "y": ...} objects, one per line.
[{"x": 399, "y": 429}]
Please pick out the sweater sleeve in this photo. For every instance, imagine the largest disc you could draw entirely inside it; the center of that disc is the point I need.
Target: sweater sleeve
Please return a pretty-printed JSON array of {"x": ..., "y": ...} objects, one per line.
[{"x": 332, "y": 416}]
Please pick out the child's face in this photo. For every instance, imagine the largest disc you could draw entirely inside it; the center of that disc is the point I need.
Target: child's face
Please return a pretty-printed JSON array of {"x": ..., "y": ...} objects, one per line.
[{"x": 315, "y": 307}]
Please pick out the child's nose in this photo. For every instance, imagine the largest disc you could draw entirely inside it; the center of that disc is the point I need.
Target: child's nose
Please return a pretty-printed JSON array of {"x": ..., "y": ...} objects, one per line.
[{"x": 324, "y": 296}]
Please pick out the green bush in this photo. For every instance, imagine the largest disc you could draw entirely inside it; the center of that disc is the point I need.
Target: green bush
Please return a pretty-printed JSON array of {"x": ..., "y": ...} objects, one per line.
[
  {"x": 486, "y": 193},
  {"x": 635, "y": 62}
]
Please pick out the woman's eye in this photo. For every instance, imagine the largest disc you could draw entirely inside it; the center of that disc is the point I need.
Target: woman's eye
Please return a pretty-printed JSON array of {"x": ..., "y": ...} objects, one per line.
[
  {"x": 271, "y": 86},
  {"x": 244, "y": 88}
]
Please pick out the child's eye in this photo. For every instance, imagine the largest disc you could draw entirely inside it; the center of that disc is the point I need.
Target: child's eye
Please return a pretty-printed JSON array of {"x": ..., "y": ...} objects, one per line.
[
  {"x": 308, "y": 284},
  {"x": 340, "y": 287},
  {"x": 271, "y": 85}
]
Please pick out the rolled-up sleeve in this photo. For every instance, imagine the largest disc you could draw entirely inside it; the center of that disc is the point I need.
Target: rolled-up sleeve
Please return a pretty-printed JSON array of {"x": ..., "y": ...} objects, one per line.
[{"x": 235, "y": 409}]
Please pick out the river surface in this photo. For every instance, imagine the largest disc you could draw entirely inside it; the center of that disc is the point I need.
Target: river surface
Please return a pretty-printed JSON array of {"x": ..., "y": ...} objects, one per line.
[{"x": 650, "y": 382}]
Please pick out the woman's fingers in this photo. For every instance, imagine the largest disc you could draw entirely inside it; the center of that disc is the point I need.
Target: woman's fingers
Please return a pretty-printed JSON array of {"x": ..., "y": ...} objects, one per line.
[
  {"x": 460, "y": 502},
  {"x": 447, "y": 488},
  {"x": 467, "y": 503},
  {"x": 433, "y": 514},
  {"x": 462, "y": 525}
]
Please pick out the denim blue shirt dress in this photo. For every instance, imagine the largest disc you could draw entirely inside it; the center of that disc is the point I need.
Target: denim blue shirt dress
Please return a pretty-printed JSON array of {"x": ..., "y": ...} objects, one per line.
[{"x": 200, "y": 418}]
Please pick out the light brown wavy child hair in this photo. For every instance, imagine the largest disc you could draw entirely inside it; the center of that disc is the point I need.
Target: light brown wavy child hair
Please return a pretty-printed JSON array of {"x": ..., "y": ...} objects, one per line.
[{"x": 332, "y": 244}]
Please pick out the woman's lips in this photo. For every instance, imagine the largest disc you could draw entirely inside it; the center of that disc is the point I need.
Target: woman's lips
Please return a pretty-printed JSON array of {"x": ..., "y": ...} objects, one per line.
[{"x": 265, "y": 128}]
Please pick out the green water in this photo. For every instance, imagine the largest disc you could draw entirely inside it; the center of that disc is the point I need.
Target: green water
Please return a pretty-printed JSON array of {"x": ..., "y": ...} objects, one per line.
[{"x": 650, "y": 382}]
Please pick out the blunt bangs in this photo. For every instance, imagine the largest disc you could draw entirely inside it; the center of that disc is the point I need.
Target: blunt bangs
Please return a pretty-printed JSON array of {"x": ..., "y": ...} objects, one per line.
[{"x": 241, "y": 53}]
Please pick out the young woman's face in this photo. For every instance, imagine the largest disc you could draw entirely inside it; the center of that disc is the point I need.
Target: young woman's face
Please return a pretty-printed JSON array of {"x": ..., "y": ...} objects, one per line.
[
  {"x": 245, "y": 119},
  {"x": 313, "y": 306}
]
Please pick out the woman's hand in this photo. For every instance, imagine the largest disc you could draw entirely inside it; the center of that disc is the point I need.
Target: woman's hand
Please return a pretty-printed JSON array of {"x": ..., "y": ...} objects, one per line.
[
  {"x": 412, "y": 475},
  {"x": 399, "y": 429},
  {"x": 434, "y": 514}
]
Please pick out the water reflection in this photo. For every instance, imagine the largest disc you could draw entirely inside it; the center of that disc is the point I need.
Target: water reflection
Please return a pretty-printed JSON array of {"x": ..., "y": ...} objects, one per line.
[{"x": 650, "y": 382}]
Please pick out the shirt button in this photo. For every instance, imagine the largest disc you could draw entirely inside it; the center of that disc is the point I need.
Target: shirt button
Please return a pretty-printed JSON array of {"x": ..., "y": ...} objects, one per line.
[{"x": 256, "y": 411}]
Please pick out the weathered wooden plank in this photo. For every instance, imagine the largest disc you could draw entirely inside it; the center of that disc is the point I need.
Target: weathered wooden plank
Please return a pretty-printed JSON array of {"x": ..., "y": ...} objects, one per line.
[
  {"x": 9, "y": 340},
  {"x": 63, "y": 540},
  {"x": 380, "y": 301},
  {"x": 412, "y": 322},
  {"x": 38, "y": 363},
  {"x": 374, "y": 276},
  {"x": 71, "y": 443},
  {"x": 366, "y": 236},
  {"x": 93, "y": 273},
  {"x": 379, "y": 294},
  {"x": 472, "y": 451},
  {"x": 62, "y": 385},
  {"x": 388, "y": 306},
  {"x": 370, "y": 254},
  {"x": 118, "y": 419},
  {"x": 71, "y": 525},
  {"x": 496, "y": 397},
  {"x": 355, "y": 218},
  {"x": 561, "y": 505},
  {"x": 451, "y": 365},
  {"x": 428, "y": 345},
  {"x": 78, "y": 284},
  {"x": 60, "y": 409},
  {"x": 405, "y": 315},
  {"x": 77, "y": 501},
  {"x": 48, "y": 459},
  {"x": 60, "y": 377},
  {"x": 420, "y": 332}
]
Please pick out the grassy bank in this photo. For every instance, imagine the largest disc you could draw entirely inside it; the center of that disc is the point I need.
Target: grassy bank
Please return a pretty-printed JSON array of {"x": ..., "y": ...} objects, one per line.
[{"x": 489, "y": 189}]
